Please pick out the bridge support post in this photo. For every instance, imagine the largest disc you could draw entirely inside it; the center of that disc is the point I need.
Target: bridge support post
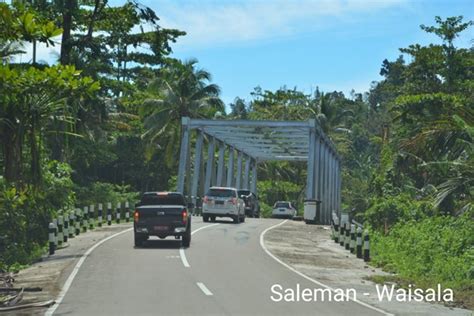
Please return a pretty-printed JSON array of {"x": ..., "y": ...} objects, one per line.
[
  {"x": 254, "y": 177},
  {"x": 220, "y": 164},
  {"x": 209, "y": 165},
  {"x": 197, "y": 166},
  {"x": 238, "y": 180},
  {"x": 247, "y": 173},
  {"x": 311, "y": 165},
  {"x": 183, "y": 155},
  {"x": 230, "y": 168}
]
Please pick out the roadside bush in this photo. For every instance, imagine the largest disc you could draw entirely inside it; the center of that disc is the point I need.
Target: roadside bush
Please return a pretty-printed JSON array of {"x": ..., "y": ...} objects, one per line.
[
  {"x": 103, "y": 192},
  {"x": 23, "y": 226},
  {"x": 430, "y": 251}
]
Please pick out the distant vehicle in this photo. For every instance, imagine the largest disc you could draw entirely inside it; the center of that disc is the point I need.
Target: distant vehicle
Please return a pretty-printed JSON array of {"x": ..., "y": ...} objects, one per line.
[
  {"x": 223, "y": 202},
  {"x": 162, "y": 214},
  {"x": 252, "y": 207},
  {"x": 283, "y": 209}
]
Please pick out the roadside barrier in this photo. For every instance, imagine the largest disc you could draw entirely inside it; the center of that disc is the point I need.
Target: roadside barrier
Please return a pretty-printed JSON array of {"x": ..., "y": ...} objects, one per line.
[
  {"x": 127, "y": 211},
  {"x": 352, "y": 237},
  {"x": 99, "y": 215},
  {"x": 52, "y": 239},
  {"x": 66, "y": 227},
  {"x": 117, "y": 213},
  {"x": 69, "y": 223},
  {"x": 352, "y": 241},
  {"x": 91, "y": 217}
]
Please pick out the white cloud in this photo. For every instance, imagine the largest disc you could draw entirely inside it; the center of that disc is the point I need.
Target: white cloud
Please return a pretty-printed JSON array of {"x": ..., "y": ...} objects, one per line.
[{"x": 226, "y": 22}]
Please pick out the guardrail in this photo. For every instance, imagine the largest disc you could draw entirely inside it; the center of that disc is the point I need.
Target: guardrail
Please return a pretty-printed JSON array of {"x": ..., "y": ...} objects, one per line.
[
  {"x": 70, "y": 223},
  {"x": 350, "y": 236}
]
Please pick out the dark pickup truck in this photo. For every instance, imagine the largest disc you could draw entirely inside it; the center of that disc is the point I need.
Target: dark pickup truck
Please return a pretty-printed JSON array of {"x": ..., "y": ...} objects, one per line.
[{"x": 162, "y": 214}]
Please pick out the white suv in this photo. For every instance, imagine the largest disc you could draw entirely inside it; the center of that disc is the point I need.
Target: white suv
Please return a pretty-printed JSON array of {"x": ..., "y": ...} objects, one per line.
[
  {"x": 283, "y": 209},
  {"x": 223, "y": 202}
]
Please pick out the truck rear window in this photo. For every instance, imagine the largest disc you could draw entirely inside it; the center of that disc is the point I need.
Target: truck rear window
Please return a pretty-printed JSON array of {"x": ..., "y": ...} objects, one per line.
[
  {"x": 282, "y": 205},
  {"x": 221, "y": 193},
  {"x": 154, "y": 199}
]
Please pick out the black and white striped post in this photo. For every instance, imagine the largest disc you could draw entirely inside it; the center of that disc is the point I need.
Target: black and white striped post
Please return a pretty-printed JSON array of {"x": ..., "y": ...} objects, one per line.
[
  {"x": 60, "y": 230},
  {"x": 353, "y": 239},
  {"x": 109, "y": 213},
  {"x": 359, "y": 242},
  {"x": 127, "y": 211},
  {"x": 52, "y": 238},
  {"x": 55, "y": 222},
  {"x": 91, "y": 217},
  {"x": 347, "y": 240},
  {"x": 85, "y": 218},
  {"x": 99, "y": 215},
  {"x": 71, "y": 224},
  {"x": 336, "y": 229},
  {"x": 78, "y": 219},
  {"x": 342, "y": 234},
  {"x": 366, "y": 246},
  {"x": 66, "y": 226},
  {"x": 117, "y": 213}
]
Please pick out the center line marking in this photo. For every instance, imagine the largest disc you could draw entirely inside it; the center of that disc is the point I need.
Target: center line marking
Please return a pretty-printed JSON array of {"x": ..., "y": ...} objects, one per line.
[
  {"x": 182, "y": 254},
  {"x": 204, "y": 289}
]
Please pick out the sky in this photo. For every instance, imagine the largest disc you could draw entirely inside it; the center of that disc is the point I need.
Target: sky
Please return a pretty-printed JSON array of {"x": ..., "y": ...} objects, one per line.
[{"x": 333, "y": 44}]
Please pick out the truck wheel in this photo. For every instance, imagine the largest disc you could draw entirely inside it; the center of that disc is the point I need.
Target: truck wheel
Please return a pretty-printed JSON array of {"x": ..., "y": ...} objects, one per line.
[
  {"x": 213, "y": 218},
  {"x": 236, "y": 219},
  {"x": 205, "y": 218},
  {"x": 138, "y": 240},
  {"x": 186, "y": 239},
  {"x": 243, "y": 219}
]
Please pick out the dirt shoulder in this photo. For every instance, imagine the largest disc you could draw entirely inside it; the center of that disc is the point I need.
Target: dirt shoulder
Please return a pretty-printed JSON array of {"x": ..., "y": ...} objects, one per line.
[
  {"x": 52, "y": 271},
  {"x": 310, "y": 250}
]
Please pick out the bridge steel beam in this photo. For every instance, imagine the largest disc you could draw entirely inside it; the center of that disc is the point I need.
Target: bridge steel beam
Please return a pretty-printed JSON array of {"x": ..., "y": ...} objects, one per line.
[
  {"x": 238, "y": 180},
  {"x": 209, "y": 164},
  {"x": 197, "y": 166},
  {"x": 254, "y": 177},
  {"x": 220, "y": 164},
  {"x": 247, "y": 173},
  {"x": 230, "y": 168},
  {"x": 311, "y": 165}
]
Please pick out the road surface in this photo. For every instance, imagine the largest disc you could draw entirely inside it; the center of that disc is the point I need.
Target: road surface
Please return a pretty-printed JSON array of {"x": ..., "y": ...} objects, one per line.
[{"x": 226, "y": 271}]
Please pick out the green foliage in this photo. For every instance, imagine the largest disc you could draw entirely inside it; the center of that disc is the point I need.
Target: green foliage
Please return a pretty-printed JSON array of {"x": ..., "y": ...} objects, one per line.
[
  {"x": 100, "y": 192},
  {"x": 433, "y": 250},
  {"x": 271, "y": 191}
]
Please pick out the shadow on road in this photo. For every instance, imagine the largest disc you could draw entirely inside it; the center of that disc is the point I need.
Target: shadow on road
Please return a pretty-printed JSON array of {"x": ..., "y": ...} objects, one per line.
[{"x": 161, "y": 244}]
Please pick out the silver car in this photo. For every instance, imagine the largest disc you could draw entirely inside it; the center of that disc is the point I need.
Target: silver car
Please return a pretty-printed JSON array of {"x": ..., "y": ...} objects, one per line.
[
  {"x": 283, "y": 209},
  {"x": 223, "y": 202}
]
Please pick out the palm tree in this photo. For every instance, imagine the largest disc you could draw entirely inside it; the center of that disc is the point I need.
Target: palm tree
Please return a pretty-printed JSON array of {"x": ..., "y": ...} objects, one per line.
[{"x": 181, "y": 90}]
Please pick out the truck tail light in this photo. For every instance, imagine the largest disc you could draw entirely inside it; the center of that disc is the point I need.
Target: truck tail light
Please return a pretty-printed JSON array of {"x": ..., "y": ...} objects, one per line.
[
  {"x": 136, "y": 216},
  {"x": 205, "y": 200},
  {"x": 185, "y": 215},
  {"x": 233, "y": 201}
]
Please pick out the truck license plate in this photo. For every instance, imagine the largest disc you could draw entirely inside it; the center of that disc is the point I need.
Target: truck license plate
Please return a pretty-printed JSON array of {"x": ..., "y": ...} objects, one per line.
[{"x": 160, "y": 228}]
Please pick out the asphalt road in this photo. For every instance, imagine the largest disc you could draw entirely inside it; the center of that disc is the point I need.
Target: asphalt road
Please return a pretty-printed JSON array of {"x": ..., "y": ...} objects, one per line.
[{"x": 224, "y": 272}]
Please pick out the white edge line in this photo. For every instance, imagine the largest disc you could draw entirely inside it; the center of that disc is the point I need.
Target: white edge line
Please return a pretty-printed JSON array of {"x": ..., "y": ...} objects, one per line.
[
  {"x": 262, "y": 244},
  {"x": 182, "y": 254},
  {"x": 78, "y": 265},
  {"x": 204, "y": 289}
]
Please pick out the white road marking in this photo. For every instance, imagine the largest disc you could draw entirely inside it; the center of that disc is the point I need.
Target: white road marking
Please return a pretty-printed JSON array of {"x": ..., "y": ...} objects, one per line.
[
  {"x": 74, "y": 272},
  {"x": 183, "y": 258},
  {"x": 200, "y": 228},
  {"x": 182, "y": 254},
  {"x": 204, "y": 289},
  {"x": 262, "y": 244}
]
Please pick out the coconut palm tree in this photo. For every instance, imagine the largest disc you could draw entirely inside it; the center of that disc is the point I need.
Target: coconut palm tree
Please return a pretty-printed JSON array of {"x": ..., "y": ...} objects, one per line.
[{"x": 181, "y": 90}]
